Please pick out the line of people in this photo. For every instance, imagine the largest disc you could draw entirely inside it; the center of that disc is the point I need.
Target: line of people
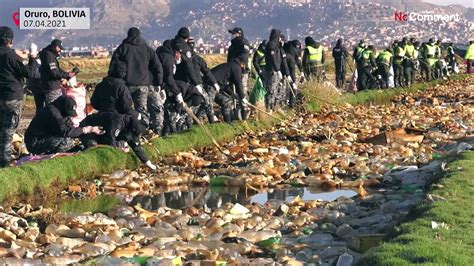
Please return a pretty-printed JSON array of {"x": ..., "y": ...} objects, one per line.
[
  {"x": 162, "y": 90},
  {"x": 398, "y": 65}
]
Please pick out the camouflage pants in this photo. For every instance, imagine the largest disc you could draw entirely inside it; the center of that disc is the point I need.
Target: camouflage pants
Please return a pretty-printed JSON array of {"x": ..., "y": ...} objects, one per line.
[
  {"x": 140, "y": 100},
  {"x": 51, "y": 96},
  {"x": 271, "y": 85},
  {"x": 49, "y": 145},
  {"x": 10, "y": 113},
  {"x": 227, "y": 104},
  {"x": 207, "y": 108},
  {"x": 156, "y": 108}
]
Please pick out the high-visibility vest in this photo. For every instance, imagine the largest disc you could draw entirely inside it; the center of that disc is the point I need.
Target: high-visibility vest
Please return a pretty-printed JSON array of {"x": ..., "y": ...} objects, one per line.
[
  {"x": 385, "y": 57},
  {"x": 399, "y": 54},
  {"x": 359, "y": 50},
  {"x": 409, "y": 50},
  {"x": 430, "y": 50},
  {"x": 430, "y": 54},
  {"x": 261, "y": 58},
  {"x": 416, "y": 53},
  {"x": 470, "y": 52},
  {"x": 315, "y": 54}
]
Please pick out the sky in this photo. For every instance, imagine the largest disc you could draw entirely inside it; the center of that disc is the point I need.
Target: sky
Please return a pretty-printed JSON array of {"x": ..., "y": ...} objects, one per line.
[{"x": 466, "y": 3}]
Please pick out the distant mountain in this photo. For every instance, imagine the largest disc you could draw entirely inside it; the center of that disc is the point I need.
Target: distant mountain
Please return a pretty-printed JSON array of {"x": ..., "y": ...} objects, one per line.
[{"x": 210, "y": 19}]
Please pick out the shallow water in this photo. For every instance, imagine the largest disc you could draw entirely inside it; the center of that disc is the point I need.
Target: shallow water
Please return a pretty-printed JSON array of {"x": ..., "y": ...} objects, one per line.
[{"x": 216, "y": 197}]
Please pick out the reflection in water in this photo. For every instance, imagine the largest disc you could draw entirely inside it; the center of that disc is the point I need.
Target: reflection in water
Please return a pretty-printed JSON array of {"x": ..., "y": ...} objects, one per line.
[{"x": 215, "y": 197}]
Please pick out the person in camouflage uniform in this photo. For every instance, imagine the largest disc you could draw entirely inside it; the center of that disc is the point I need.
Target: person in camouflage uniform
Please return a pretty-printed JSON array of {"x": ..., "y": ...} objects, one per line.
[{"x": 12, "y": 71}]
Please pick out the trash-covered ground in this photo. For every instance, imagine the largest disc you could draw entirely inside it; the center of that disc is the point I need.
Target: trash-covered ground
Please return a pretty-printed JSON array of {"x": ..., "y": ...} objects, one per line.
[{"x": 323, "y": 190}]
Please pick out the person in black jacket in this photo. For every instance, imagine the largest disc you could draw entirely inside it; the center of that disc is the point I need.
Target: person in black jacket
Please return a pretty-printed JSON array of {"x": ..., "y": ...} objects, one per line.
[
  {"x": 293, "y": 59},
  {"x": 112, "y": 94},
  {"x": 141, "y": 62},
  {"x": 51, "y": 72},
  {"x": 51, "y": 130},
  {"x": 118, "y": 129},
  {"x": 12, "y": 71},
  {"x": 273, "y": 74},
  {"x": 240, "y": 49},
  {"x": 185, "y": 70},
  {"x": 340, "y": 54},
  {"x": 34, "y": 82},
  {"x": 178, "y": 92},
  {"x": 228, "y": 76},
  {"x": 211, "y": 88}
]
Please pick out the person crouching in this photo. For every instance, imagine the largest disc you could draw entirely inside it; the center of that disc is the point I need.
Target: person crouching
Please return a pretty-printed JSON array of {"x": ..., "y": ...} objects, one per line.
[
  {"x": 118, "y": 130},
  {"x": 51, "y": 129}
]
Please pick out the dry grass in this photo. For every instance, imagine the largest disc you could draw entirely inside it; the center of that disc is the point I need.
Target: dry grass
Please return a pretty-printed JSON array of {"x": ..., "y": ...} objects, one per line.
[
  {"x": 213, "y": 60},
  {"x": 320, "y": 94}
]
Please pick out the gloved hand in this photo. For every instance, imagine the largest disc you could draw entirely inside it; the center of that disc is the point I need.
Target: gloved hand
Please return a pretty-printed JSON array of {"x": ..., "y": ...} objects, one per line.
[
  {"x": 294, "y": 86},
  {"x": 162, "y": 95},
  {"x": 199, "y": 88},
  {"x": 216, "y": 86},
  {"x": 179, "y": 99},
  {"x": 245, "y": 102},
  {"x": 290, "y": 79},
  {"x": 93, "y": 130},
  {"x": 71, "y": 74},
  {"x": 150, "y": 165},
  {"x": 279, "y": 75}
]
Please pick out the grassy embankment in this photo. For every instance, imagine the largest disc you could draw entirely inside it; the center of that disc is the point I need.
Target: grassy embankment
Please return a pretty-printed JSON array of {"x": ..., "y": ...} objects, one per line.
[
  {"x": 102, "y": 160},
  {"x": 415, "y": 242}
]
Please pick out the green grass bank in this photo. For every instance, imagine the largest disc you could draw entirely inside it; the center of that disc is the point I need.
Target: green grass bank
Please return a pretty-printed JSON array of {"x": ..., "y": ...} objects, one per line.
[
  {"x": 101, "y": 160},
  {"x": 415, "y": 242}
]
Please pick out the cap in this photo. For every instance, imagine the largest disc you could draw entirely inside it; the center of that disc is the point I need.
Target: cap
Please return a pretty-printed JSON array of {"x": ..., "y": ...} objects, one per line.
[
  {"x": 236, "y": 30},
  {"x": 58, "y": 43},
  {"x": 70, "y": 106},
  {"x": 178, "y": 45},
  {"x": 183, "y": 33},
  {"x": 6, "y": 32}
]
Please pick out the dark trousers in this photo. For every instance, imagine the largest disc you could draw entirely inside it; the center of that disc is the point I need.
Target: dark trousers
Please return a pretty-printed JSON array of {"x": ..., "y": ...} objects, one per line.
[
  {"x": 10, "y": 113},
  {"x": 49, "y": 145},
  {"x": 398, "y": 75},
  {"x": 40, "y": 99},
  {"x": 470, "y": 63},
  {"x": 340, "y": 74}
]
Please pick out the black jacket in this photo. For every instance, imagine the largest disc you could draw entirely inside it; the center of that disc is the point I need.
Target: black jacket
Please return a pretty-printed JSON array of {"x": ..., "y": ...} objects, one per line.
[
  {"x": 273, "y": 55},
  {"x": 12, "y": 71},
  {"x": 111, "y": 94},
  {"x": 340, "y": 54},
  {"x": 141, "y": 62},
  {"x": 293, "y": 59},
  {"x": 167, "y": 58},
  {"x": 186, "y": 70},
  {"x": 50, "y": 71},
  {"x": 239, "y": 49},
  {"x": 229, "y": 73},
  {"x": 204, "y": 73},
  {"x": 118, "y": 127},
  {"x": 34, "y": 80},
  {"x": 52, "y": 122}
]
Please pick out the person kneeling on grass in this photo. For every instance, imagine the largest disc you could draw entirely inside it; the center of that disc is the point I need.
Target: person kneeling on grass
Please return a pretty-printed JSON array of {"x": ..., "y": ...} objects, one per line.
[
  {"x": 52, "y": 131},
  {"x": 119, "y": 130}
]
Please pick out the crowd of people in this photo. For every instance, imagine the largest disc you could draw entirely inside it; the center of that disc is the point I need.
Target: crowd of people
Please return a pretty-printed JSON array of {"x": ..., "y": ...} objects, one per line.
[{"x": 167, "y": 90}]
